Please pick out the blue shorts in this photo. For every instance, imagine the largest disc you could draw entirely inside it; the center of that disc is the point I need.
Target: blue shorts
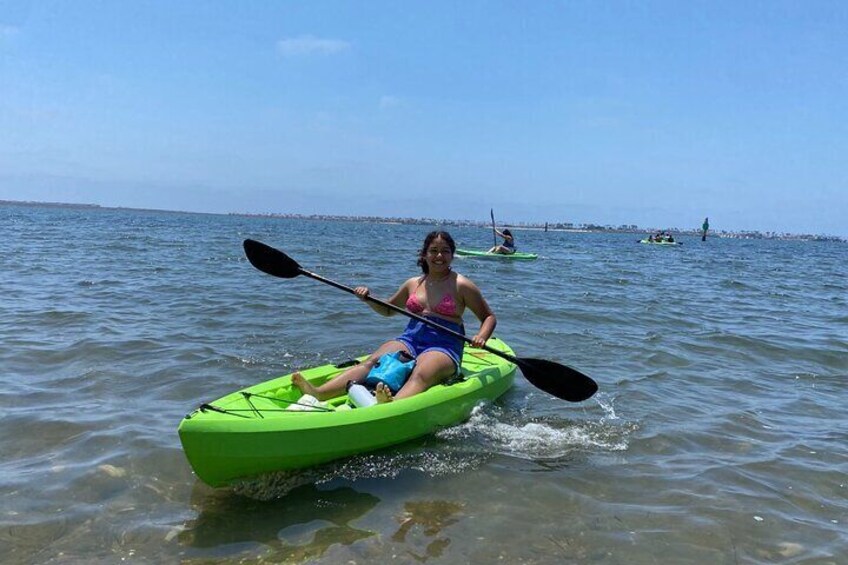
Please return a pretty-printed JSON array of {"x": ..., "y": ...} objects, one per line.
[{"x": 418, "y": 337}]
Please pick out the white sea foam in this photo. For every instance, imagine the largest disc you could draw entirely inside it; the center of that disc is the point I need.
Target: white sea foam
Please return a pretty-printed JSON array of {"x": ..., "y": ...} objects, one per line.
[{"x": 534, "y": 439}]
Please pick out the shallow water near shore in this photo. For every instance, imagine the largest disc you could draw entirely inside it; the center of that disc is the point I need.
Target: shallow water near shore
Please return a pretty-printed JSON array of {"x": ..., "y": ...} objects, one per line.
[{"x": 719, "y": 434}]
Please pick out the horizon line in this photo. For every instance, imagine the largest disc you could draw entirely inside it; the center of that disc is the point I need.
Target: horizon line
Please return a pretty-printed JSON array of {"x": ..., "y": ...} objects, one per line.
[{"x": 575, "y": 227}]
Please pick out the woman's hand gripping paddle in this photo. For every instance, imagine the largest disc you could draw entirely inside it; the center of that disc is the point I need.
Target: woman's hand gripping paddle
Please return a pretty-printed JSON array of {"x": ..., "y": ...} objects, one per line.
[{"x": 555, "y": 379}]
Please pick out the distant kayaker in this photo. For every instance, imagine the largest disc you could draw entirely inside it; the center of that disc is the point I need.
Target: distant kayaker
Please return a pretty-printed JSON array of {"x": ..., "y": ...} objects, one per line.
[
  {"x": 440, "y": 295},
  {"x": 508, "y": 246}
]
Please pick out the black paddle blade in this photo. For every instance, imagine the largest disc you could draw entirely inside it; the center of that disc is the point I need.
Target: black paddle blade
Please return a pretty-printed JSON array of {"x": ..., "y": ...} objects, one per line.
[
  {"x": 270, "y": 260},
  {"x": 561, "y": 381}
]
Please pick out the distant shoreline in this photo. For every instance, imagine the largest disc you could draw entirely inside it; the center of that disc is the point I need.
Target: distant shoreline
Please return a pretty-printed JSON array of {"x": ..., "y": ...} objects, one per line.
[{"x": 523, "y": 226}]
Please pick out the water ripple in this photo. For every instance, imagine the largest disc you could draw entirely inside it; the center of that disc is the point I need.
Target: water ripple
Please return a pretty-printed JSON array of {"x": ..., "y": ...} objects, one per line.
[{"x": 718, "y": 435}]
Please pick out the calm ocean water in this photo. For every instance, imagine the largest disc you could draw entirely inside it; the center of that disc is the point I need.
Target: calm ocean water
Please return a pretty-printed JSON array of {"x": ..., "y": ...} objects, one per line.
[{"x": 719, "y": 434}]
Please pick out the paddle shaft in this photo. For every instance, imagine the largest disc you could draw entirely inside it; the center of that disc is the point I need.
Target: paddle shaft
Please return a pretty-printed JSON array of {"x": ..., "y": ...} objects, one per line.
[
  {"x": 409, "y": 314},
  {"x": 560, "y": 381},
  {"x": 494, "y": 231}
]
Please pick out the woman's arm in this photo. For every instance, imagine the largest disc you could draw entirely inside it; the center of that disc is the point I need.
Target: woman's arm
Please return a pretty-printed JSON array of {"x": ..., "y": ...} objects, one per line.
[
  {"x": 474, "y": 300},
  {"x": 398, "y": 299}
]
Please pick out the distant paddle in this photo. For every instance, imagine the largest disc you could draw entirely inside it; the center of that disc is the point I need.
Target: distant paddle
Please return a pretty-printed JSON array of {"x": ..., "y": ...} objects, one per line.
[
  {"x": 494, "y": 231},
  {"x": 555, "y": 379}
]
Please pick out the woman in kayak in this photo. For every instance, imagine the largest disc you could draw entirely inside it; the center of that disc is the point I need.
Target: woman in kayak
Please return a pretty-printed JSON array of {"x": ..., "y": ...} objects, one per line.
[
  {"x": 508, "y": 246},
  {"x": 440, "y": 295}
]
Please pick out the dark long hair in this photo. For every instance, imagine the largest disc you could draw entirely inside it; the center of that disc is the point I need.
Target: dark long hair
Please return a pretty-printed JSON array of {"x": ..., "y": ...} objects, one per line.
[{"x": 422, "y": 253}]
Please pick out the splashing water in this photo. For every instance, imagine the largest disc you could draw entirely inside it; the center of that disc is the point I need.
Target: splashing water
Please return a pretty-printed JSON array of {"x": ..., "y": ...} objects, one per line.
[{"x": 492, "y": 430}]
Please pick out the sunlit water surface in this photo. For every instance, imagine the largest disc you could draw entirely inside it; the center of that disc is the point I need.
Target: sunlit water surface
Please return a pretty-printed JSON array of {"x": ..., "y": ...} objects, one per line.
[{"x": 719, "y": 434}]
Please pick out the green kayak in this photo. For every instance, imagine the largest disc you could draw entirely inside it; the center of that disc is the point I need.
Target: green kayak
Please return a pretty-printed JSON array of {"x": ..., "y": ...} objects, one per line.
[
  {"x": 659, "y": 242},
  {"x": 517, "y": 256},
  {"x": 254, "y": 431}
]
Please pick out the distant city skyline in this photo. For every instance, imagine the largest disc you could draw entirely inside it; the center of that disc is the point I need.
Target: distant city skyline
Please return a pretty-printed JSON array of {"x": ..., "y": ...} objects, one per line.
[
  {"x": 655, "y": 114},
  {"x": 552, "y": 225}
]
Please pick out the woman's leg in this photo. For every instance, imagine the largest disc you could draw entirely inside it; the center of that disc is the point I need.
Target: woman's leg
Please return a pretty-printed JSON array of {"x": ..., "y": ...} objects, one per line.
[
  {"x": 337, "y": 386},
  {"x": 431, "y": 368}
]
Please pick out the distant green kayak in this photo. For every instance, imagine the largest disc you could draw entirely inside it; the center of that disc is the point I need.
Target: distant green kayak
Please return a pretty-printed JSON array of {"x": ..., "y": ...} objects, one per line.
[
  {"x": 251, "y": 431},
  {"x": 659, "y": 242},
  {"x": 517, "y": 256}
]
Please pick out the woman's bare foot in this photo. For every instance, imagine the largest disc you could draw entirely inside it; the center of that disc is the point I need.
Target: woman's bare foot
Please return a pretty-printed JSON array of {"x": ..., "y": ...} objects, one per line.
[
  {"x": 305, "y": 386},
  {"x": 383, "y": 393}
]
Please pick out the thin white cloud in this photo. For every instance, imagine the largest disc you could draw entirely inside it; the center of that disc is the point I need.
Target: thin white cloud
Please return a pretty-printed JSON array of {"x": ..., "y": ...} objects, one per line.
[
  {"x": 388, "y": 102},
  {"x": 308, "y": 45},
  {"x": 7, "y": 32}
]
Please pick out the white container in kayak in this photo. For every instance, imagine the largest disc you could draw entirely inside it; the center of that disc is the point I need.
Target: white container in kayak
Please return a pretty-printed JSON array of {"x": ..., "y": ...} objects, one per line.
[{"x": 359, "y": 395}]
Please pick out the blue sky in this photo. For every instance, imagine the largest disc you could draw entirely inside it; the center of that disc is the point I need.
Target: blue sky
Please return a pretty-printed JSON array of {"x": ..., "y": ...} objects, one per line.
[{"x": 653, "y": 113}]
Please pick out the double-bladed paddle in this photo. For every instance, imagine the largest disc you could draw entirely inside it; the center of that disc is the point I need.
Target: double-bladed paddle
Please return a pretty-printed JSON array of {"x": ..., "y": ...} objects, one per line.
[
  {"x": 494, "y": 231},
  {"x": 560, "y": 381}
]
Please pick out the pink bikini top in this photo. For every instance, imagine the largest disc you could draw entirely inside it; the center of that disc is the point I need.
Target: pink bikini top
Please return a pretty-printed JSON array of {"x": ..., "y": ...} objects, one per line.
[{"x": 447, "y": 307}]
